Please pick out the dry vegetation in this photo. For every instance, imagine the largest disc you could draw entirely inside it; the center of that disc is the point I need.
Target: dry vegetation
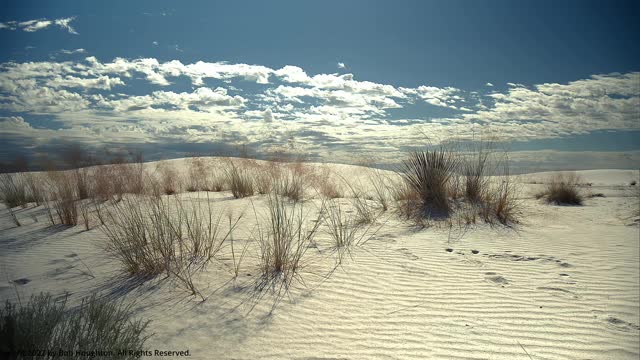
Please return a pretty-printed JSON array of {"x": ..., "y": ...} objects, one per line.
[
  {"x": 284, "y": 237},
  {"x": 46, "y": 323},
  {"x": 153, "y": 235},
  {"x": 239, "y": 179},
  {"x": 562, "y": 189},
  {"x": 474, "y": 185}
]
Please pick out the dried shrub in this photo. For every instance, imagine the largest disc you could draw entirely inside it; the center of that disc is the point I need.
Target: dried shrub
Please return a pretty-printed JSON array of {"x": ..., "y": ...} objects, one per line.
[{"x": 563, "y": 189}]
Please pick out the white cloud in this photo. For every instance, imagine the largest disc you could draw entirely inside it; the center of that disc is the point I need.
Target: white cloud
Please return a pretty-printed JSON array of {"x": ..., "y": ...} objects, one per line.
[
  {"x": 489, "y": 84},
  {"x": 70, "y": 52},
  {"x": 39, "y": 24},
  {"x": 64, "y": 23},
  {"x": 341, "y": 65},
  {"x": 267, "y": 116},
  {"x": 34, "y": 25},
  {"x": 101, "y": 82},
  {"x": 443, "y": 97}
]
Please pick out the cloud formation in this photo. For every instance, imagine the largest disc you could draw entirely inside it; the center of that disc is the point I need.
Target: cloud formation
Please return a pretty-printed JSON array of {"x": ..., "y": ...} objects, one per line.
[
  {"x": 39, "y": 24},
  {"x": 101, "y": 102}
]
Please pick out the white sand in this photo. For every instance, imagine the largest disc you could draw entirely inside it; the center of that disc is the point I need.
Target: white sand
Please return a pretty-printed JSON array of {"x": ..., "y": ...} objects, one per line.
[{"x": 564, "y": 284}]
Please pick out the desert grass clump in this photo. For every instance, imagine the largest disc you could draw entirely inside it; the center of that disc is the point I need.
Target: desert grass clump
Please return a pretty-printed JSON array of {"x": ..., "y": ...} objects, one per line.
[
  {"x": 34, "y": 185},
  {"x": 168, "y": 178},
  {"x": 428, "y": 173},
  {"x": 13, "y": 190},
  {"x": 46, "y": 323},
  {"x": 217, "y": 182},
  {"x": 266, "y": 177},
  {"x": 156, "y": 235},
  {"x": 341, "y": 228},
  {"x": 323, "y": 181},
  {"x": 82, "y": 182},
  {"x": 198, "y": 175},
  {"x": 380, "y": 183},
  {"x": 501, "y": 200},
  {"x": 284, "y": 240},
  {"x": 240, "y": 180},
  {"x": 563, "y": 189},
  {"x": 291, "y": 185},
  {"x": 64, "y": 197},
  {"x": 474, "y": 166}
]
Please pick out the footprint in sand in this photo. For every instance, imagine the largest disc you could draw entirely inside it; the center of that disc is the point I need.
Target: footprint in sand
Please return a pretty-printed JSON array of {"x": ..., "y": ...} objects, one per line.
[
  {"x": 496, "y": 279},
  {"x": 22, "y": 281},
  {"x": 525, "y": 258},
  {"x": 406, "y": 252},
  {"x": 619, "y": 324},
  {"x": 559, "y": 291}
]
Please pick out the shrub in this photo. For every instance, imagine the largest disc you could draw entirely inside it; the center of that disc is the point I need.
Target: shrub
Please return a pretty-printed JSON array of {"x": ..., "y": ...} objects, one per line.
[
  {"x": 428, "y": 174},
  {"x": 44, "y": 323},
  {"x": 562, "y": 189}
]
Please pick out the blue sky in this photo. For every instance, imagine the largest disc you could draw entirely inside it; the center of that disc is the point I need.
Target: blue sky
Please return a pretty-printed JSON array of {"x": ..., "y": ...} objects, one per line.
[{"x": 337, "y": 80}]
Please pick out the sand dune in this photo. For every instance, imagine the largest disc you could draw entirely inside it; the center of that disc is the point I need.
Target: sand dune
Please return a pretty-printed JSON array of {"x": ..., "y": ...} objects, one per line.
[{"x": 564, "y": 284}]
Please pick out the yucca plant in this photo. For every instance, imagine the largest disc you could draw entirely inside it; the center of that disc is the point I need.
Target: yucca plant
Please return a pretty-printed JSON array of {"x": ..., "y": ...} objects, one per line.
[{"x": 428, "y": 173}]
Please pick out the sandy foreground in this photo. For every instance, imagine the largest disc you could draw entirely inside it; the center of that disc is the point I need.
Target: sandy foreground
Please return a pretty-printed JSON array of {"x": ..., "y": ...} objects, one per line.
[{"x": 564, "y": 284}]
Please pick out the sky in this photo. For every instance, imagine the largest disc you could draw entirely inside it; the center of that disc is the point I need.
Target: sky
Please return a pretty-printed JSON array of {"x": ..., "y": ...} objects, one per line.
[{"x": 556, "y": 82}]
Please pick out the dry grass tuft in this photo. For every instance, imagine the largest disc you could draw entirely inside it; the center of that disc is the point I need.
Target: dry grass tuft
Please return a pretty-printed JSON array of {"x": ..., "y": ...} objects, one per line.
[
  {"x": 46, "y": 323},
  {"x": 284, "y": 240},
  {"x": 13, "y": 190},
  {"x": 168, "y": 178},
  {"x": 64, "y": 197},
  {"x": 563, "y": 189},
  {"x": 154, "y": 235},
  {"x": 240, "y": 180},
  {"x": 326, "y": 184}
]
